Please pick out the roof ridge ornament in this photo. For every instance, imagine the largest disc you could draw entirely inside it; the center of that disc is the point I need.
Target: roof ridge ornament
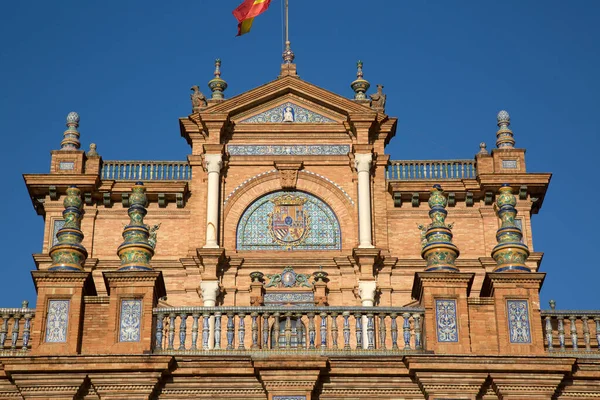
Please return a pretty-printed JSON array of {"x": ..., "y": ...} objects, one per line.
[
  {"x": 217, "y": 85},
  {"x": 71, "y": 135},
  {"x": 360, "y": 85},
  {"x": 504, "y": 136}
]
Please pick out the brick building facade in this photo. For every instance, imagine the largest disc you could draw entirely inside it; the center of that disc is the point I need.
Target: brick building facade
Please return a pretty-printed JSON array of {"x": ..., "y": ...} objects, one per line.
[{"x": 290, "y": 258}]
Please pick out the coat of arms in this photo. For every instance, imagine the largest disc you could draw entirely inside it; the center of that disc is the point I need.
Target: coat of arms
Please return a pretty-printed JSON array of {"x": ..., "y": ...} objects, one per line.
[{"x": 289, "y": 223}]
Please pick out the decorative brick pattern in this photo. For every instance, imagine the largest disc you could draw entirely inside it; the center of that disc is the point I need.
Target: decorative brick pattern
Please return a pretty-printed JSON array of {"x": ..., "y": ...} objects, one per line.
[
  {"x": 447, "y": 327},
  {"x": 321, "y": 229},
  {"x": 287, "y": 112},
  {"x": 131, "y": 315},
  {"x": 57, "y": 321},
  {"x": 518, "y": 321}
]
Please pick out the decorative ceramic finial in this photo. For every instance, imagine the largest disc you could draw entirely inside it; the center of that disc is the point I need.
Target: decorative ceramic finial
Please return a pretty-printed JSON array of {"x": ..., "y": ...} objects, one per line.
[
  {"x": 71, "y": 136},
  {"x": 217, "y": 85},
  {"x": 483, "y": 148},
  {"x": 504, "y": 136},
  {"x": 288, "y": 55},
  {"x": 136, "y": 251},
  {"x": 438, "y": 249},
  {"x": 510, "y": 253},
  {"x": 69, "y": 254},
  {"x": 92, "y": 151},
  {"x": 360, "y": 85},
  {"x": 552, "y": 304}
]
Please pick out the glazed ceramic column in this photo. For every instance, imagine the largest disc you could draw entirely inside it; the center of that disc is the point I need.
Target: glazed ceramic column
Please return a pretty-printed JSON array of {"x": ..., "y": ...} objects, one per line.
[
  {"x": 366, "y": 291},
  {"x": 362, "y": 163},
  {"x": 210, "y": 291},
  {"x": 213, "y": 166}
]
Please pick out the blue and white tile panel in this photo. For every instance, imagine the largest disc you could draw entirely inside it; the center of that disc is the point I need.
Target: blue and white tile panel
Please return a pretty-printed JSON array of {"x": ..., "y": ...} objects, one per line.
[
  {"x": 130, "y": 322},
  {"x": 57, "y": 321},
  {"x": 446, "y": 321},
  {"x": 288, "y": 150},
  {"x": 287, "y": 112},
  {"x": 57, "y": 225},
  {"x": 289, "y": 397},
  {"x": 519, "y": 330}
]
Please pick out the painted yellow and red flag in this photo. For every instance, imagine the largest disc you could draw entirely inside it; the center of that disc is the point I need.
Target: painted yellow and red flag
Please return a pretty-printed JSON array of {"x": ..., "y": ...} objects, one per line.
[{"x": 246, "y": 12}]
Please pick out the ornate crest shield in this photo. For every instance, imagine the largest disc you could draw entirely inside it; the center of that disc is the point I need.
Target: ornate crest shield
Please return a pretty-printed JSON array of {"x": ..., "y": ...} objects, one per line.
[{"x": 289, "y": 223}]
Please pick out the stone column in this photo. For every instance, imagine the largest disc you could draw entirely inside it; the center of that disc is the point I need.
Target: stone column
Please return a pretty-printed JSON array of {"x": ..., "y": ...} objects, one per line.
[
  {"x": 366, "y": 291},
  {"x": 362, "y": 163},
  {"x": 214, "y": 163},
  {"x": 210, "y": 291}
]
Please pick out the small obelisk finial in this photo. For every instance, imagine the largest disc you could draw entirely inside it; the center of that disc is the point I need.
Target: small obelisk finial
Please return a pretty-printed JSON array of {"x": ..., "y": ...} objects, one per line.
[
  {"x": 217, "y": 85},
  {"x": 69, "y": 254},
  {"x": 136, "y": 251},
  {"x": 504, "y": 136},
  {"x": 510, "y": 253},
  {"x": 438, "y": 249},
  {"x": 360, "y": 85},
  {"x": 71, "y": 136}
]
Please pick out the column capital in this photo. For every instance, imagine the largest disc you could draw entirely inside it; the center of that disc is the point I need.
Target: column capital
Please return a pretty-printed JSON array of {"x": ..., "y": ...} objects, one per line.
[
  {"x": 366, "y": 291},
  {"x": 362, "y": 161},
  {"x": 214, "y": 162},
  {"x": 210, "y": 291}
]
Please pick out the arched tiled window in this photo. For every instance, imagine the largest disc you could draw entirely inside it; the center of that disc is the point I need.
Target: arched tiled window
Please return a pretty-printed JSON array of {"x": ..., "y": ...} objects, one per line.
[{"x": 288, "y": 221}]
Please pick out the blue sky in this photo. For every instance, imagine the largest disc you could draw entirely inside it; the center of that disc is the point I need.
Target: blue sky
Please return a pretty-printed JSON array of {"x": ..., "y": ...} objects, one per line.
[{"x": 448, "y": 67}]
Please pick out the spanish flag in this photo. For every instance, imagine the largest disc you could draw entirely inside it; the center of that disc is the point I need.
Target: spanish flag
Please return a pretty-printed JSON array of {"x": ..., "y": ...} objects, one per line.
[{"x": 246, "y": 12}]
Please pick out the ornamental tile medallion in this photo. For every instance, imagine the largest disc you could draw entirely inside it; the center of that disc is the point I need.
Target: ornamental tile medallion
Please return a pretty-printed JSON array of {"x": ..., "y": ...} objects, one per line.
[
  {"x": 288, "y": 221},
  {"x": 518, "y": 321},
  {"x": 287, "y": 112},
  {"x": 288, "y": 150},
  {"x": 131, "y": 315},
  {"x": 57, "y": 225},
  {"x": 57, "y": 321},
  {"x": 447, "y": 327}
]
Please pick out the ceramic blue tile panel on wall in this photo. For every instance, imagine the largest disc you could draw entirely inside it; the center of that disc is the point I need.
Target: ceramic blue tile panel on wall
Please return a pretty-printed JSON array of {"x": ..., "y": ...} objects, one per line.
[
  {"x": 518, "y": 321},
  {"x": 130, "y": 323},
  {"x": 57, "y": 321},
  {"x": 447, "y": 326}
]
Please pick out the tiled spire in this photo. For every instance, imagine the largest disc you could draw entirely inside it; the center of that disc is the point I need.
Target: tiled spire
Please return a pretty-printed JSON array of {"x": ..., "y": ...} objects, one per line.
[
  {"x": 71, "y": 136},
  {"x": 68, "y": 254},
  {"x": 438, "y": 249},
  {"x": 217, "y": 85},
  {"x": 510, "y": 253},
  {"x": 360, "y": 85},
  {"x": 136, "y": 252},
  {"x": 504, "y": 136}
]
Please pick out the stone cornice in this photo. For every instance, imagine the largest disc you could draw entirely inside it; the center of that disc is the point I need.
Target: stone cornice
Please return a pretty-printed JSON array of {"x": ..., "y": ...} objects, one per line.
[
  {"x": 60, "y": 278},
  {"x": 493, "y": 279},
  {"x": 450, "y": 279},
  {"x": 124, "y": 277}
]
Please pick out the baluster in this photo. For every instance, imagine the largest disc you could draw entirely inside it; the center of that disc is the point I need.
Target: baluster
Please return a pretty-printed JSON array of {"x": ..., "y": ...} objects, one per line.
[
  {"x": 230, "y": 329},
  {"x": 549, "y": 332},
  {"x": 196, "y": 316},
  {"x": 288, "y": 330},
  {"x": 276, "y": 331},
  {"x": 15, "y": 331},
  {"x": 573, "y": 332},
  {"x": 359, "y": 336},
  {"x": 254, "y": 330},
  {"x": 586, "y": 333},
  {"x": 265, "y": 330},
  {"x": 27, "y": 329},
  {"x": 182, "y": 331},
  {"x": 370, "y": 332},
  {"x": 172, "y": 317},
  {"x": 205, "y": 330},
  {"x": 394, "y": 329},
  {"x": 382, "y": 332},
  {"x": 334, "y": 331},
  {"x": 346, "y": 314},
  {"x": 4, "y": 330},
  {"x": 417, "y": 324},
  {"x": 299, "y": 332},
  {"x": 597, "y": 321},
  {"x": 159, "y": 331},
  {"x": 323, "y": 330},
  {"x": 217, "y": 331},
  {"x": 406, "y": 329},
  {"x": 139, "y": 169},
  {"x": 242, "y": 331},
  {"x": 311, "y": 330},
  {"x": 561, "y": 332}
]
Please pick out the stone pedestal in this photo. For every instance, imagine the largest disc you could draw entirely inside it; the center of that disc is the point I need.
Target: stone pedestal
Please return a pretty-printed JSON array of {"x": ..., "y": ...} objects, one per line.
[
  {"x": 517, "y": 311},
  {"x": 444, "y": 296},
  {"x": 59, "y": 311},
  {"x": 133, "y": 294}
]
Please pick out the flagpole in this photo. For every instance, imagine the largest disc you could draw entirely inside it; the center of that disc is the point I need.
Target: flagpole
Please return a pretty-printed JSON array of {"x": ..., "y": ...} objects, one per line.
[{"x": 288, "y": 54}]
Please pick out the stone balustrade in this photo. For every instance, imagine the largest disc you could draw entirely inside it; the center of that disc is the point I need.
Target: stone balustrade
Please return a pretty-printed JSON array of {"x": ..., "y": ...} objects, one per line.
[
  {"x": 271, "y": 329},
  {"x": 572, "y": 331},
  {"x": 15, "y": 328},
  {"x": 146, "y": 170},
  {"x": 410, "y": 170}
]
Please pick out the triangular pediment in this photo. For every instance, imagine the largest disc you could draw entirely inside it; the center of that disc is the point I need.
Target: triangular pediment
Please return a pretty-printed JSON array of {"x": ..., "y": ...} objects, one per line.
[{"x": 289, "y": 109}]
